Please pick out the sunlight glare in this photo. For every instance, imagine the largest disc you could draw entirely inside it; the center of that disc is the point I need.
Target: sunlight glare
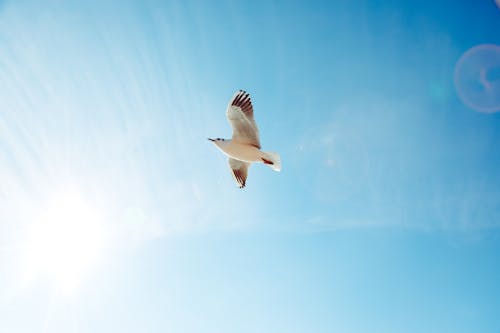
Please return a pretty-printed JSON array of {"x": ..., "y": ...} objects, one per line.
[{"x": 65, "y": 240}]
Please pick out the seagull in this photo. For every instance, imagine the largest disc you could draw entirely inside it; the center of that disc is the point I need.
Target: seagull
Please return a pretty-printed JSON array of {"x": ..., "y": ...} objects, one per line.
[{"x": 244, "y": 147}]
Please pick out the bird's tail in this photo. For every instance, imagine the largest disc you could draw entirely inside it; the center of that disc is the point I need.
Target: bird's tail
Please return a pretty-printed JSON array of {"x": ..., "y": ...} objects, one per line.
[{"x": 273, "y": 160}]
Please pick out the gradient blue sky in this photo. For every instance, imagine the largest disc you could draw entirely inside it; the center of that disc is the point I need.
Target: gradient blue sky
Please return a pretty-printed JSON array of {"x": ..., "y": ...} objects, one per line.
[{"x": 385, "y": 217}]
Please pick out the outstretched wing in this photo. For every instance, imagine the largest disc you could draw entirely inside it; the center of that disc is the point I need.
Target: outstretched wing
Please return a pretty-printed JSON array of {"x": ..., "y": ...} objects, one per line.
[
  {"x": 240, "y": 115},
  {"x": 239, "y": 171}
]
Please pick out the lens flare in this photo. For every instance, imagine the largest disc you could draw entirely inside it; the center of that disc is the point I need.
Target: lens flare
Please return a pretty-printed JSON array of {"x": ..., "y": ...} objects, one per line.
[{"x": 477, "y": 78}]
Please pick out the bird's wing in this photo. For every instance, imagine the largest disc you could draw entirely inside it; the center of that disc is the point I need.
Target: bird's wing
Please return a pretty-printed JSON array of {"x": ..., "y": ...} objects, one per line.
[
  {"x": 239, "y": 170},
  {"x": 240, "y": 114}
]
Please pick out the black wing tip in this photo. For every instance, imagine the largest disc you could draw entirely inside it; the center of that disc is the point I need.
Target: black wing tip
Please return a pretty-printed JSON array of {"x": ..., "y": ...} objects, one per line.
[
  {"x": 239, "y": 178},
  {"x": 242, "y": 93},
  {"x": 243, "y": 100}
]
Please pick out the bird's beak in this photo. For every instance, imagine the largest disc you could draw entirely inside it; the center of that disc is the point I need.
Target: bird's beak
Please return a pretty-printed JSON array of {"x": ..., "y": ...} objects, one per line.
[{"x": 211, "y": 139}]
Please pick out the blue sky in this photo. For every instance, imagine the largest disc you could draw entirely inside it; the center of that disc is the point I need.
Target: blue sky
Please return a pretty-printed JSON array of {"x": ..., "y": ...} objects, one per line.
[{"x": 116, "y": 213}]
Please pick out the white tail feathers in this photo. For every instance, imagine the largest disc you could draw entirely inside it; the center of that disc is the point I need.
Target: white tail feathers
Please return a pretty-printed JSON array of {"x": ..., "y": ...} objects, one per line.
[{"x": 273, "y": 160}]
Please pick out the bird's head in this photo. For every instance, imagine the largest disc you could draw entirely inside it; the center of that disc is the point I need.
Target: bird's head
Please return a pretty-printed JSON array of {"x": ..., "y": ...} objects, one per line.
[{"x": 217, "y": 141}]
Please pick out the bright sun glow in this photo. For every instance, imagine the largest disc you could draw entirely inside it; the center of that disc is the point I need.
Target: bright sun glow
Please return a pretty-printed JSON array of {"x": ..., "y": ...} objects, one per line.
[{"x": 64, "y": 241}]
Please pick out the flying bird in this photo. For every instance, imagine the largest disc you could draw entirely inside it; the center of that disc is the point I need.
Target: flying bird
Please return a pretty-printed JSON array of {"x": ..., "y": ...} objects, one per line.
[{"x": 244, "y": 147}]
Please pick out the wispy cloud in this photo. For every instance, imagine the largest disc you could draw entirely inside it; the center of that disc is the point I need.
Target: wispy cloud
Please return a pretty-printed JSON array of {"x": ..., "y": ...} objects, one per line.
[{"x": 375, "y": 167}]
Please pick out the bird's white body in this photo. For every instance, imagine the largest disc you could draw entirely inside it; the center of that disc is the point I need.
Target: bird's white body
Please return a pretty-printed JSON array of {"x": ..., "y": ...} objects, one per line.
[
  {"x": 244, "y": 147},
  {"x": 240, "y": 151}
]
